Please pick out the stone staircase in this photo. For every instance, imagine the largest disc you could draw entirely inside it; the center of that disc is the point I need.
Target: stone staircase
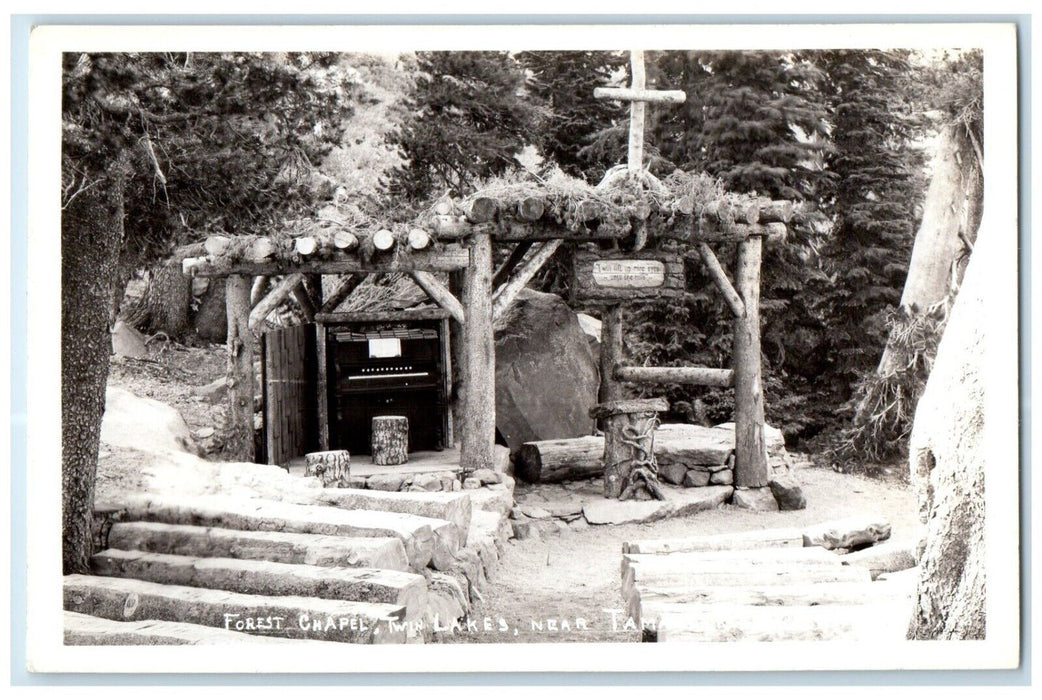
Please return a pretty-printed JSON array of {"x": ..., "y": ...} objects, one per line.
[
  {"x": 827, "y": 582},
  {"x": 322, "y": 565}
]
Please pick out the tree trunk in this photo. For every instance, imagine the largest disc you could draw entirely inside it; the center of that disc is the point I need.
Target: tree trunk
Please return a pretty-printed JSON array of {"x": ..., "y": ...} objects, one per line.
[
  {"x": 390, "y": 440},
  {"x": 91, "y": 237},
  {"x": 211, "y": 319},
  {"x": 240, "y": 445},
  {"x": 947, "y": 460},
  {"x": 951, "y": 215},
  {"x": 169, "y": 300}
]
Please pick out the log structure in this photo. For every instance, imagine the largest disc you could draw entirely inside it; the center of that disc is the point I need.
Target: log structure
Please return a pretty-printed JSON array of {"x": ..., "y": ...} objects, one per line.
[
  {"x": 331, "y": 467},
  {"x": 390, "y": 440},
  {"x": 631, "y": 236},
  {"x": 629, "y": 447}
]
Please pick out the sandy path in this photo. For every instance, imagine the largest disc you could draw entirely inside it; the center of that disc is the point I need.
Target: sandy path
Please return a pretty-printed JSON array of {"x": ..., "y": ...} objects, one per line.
[{"x": 542, "y": 583}]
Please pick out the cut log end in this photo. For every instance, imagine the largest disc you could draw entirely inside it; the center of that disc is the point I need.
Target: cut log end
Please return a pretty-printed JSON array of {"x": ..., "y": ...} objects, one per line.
[
  {"x": 418, "y": 239},
  {"x": 383, "y": 239}
]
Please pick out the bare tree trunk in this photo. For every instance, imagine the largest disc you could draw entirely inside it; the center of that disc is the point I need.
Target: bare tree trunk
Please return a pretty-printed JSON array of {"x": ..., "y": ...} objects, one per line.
[
  {"x": 169, "y": 301},
  {"x": 951, "y": 215},
  {"x": 947, "y": 460},
  {"x": 91, "y": 236}
]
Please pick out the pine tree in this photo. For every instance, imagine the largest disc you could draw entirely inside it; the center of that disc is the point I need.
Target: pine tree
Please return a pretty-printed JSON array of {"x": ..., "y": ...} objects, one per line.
[
  {"x": 873, "y": 195},
  {"x": 471, "y": 115},
  {"x": 757, "y": 121},
  {"x": 574, "y": 134}
]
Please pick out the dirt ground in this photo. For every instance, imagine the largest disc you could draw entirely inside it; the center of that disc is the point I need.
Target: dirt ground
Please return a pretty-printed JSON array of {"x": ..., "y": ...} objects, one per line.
[
  {"x": 562, "y": 588},
  {"x": 541, "y": 584}
]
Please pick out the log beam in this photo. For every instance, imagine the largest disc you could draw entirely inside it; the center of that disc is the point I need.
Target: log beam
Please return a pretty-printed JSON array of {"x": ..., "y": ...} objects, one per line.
[
  {"x": 260, "y": 283},
  {"x": 304, "y": 301},
  {"x": 344, "y": 286},
  {"x": 273, "y": 298},
  {"x": 750, "y": 468},
  {"x": 240, "y": 369},
  {"x": 717, "y": 274},
  {"x": 340, "y": 317},
  {"x": 516, "y": 256},
  {"x": 701, "y": 376},
  {"x": 639, "y": 95},
  {"x": 439, "y": 294},
  {"x": 521, "y": 276},
  {"x": 477, "y": 421},
  {"x": 444, "y": 260}
]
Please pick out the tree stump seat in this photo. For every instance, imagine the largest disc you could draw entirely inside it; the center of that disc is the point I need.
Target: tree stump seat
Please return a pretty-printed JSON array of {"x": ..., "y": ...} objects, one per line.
[
  {"x": 332, "y": 467},
  {"x": 390, "y": 440},
  {"x": 630, "y": 470}
]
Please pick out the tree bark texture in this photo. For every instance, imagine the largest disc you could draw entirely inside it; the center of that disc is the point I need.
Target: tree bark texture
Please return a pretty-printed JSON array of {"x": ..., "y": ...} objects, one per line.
[
  {"x": 947, "y": 458},
  {"x": 630, "y": 470},
  {"x": 169, "y": 300},
  {"x": 478, "y": 417},
  {"x": 240, "y": 446},
  {"x": 750, "y": 468},
  {"x": 91, "y": 237},
  {"x": 390, "y": 440},
  {"x": 332, "y": 467},
  {"x": 952, "y": 213}
]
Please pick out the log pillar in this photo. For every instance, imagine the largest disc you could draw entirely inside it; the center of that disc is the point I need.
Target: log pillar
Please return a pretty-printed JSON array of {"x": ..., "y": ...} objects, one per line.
[
  {"x": 630, "y": 470},
  {"x": 611, "y": 355},
  {"x": 322, "y": 386},
  {"x": 477, "y": 421},
  {"x": 750, "y": 468},
  {"x": 240, "y": 445}
]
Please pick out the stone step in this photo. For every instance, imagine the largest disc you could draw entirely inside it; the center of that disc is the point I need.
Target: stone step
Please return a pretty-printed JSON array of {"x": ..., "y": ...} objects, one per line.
[
  {"x": 87, "y": 630},
  {"x": 648, "y": 601},
  {"x": 849, "y": 532},
  {"x": 886, "y": 558},
  {"x": 755, "y": 539},
  {"x": 426, "y": 540},
  {"x": 454, "y": 507},
  {"x": 270, "y": 578},
  {"x": 881, "y": 622},
  {"x": 283, "y": 547},
  {"x": 292, "y": 617}
]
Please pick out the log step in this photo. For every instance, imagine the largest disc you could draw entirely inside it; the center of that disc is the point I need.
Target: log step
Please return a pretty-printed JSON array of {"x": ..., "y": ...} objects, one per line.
[
  {"x": 291, "y": 617},
  {"x": 269, "y": 578},
  {"x": 650, "y": 600},
  {"x": 756, "y": 539},
  {"x": 87, "y": 630},
  {"x": 678, "y": 578},
  {"x": 756, "y": 623},
  {"x": 774, "y": 559},
  {"x": 281, "y": 547},
  {"x": 426, "y": 540},
  {"x": 454, "y": 507}
]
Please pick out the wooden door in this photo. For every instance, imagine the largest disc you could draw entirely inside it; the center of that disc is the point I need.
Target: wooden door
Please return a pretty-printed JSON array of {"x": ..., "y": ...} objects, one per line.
[{"x": 290, "y": 382}]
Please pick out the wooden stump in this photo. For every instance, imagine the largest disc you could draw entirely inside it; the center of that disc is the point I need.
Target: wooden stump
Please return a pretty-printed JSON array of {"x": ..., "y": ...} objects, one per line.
[
  {"x": 390, "y": 440},
  {"x": 333, "y": 467},
  {"x": 630, "y": 470}
]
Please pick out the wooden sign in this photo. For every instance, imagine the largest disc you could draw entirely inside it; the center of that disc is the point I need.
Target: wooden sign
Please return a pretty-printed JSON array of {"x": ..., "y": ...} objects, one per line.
[{"x": 617, "y": 277}]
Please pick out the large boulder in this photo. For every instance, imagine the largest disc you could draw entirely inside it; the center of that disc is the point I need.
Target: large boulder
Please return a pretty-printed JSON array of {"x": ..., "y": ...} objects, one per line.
[{"x": 546, "y": 376}]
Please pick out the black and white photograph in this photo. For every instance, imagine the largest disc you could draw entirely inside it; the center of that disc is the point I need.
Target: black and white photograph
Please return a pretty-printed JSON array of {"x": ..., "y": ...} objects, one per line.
[{"x": 637, "y": 348}]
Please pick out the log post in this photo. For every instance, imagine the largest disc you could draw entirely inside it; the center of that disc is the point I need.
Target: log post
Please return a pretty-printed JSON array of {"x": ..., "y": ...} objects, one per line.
[
  {"x": 611, "y": 355},
  {"x": 390, "y": 440},
  {"x": 630, "y": 470},
  {"x": 478, "y": 416},
  {"x": 322, "y": 390},
  {"x": 240, "y": 369},
  {"x": 331, "y": 467},
  {"x": 750, "y": 449}
]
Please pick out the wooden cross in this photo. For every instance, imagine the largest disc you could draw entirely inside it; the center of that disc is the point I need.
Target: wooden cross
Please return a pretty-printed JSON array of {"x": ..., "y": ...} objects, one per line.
[{"x": 637, "y": 96}]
